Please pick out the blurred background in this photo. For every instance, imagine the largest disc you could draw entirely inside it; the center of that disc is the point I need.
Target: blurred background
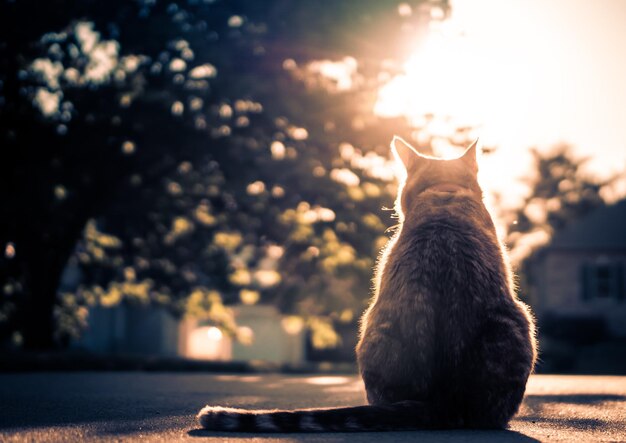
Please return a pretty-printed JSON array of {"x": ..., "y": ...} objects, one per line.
[{"x": 210, "y": 179}]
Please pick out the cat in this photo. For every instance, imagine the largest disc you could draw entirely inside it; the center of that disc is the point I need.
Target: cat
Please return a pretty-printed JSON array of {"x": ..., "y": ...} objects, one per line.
[{"x": 445, "y": 343}]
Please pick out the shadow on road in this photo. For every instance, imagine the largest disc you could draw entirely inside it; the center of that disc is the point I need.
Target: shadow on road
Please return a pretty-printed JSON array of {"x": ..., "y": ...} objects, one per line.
[
  {"x": 408, "y": 436},
  {"x": 109, "y": 401},
  {"x": 565, "y": 411},
  {"x": 581, "y": 399},
  {"x": 72, "y": 405}
]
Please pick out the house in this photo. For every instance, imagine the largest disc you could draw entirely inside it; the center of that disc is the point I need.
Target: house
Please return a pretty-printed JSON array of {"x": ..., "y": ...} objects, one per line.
[
  {"x": 580, "y": 276},
  {"x": 128, "y": 329},
  {"x": 149, "y": 330},
  {"x": 269, "y": 338}
]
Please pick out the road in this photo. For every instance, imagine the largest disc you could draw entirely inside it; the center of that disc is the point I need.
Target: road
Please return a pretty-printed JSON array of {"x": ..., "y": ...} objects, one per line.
[{"x": 147, "y": 406}]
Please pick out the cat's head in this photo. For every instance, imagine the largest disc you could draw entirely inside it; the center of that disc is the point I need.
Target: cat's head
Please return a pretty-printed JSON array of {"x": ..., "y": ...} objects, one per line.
[{"x": 433, "y": 177}]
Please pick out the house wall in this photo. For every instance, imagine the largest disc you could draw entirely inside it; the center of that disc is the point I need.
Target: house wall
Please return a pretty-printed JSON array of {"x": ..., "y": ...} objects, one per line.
[
  {"x": 126, "y": 329},
  {"x": 270, "y": 340},
  {"x": 151, "y": 331},
  {"x": 558, "y": 285}
]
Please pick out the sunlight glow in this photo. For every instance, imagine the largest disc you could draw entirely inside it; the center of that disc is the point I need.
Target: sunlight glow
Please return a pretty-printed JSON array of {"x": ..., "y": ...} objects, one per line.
[
  {"x": 214, "y": 334},
  {"x": 327, "y": 380},
  {"x": 519, "y": 74},
  {"x": 342, "y": 73},
  {"x": 345, "y": 176},
  {"x": 208, "y": 342},
  {"x": 450, "y": 77},
  {"x": 453, "y": 81},
  {"x": 405, "y": 10}
]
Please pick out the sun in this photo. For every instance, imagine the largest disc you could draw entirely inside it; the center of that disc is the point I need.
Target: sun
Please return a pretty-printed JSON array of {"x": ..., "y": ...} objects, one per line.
[
  {"x": 441, "y": 78},
  {"x": 461, "y": 75},
  {"x": 453, "y": 80}
]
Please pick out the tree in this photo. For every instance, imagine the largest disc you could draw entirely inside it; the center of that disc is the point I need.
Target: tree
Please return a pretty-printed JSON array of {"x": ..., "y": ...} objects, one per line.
[
  {"x": 560, "y": 192},
  {"x": 177, "y": 127}
]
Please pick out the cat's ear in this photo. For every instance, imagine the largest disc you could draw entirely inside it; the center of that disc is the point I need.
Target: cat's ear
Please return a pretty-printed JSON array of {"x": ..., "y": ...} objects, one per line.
[
  {"x": 469, "y": 157},
  {"x": 403, "y": 151}
]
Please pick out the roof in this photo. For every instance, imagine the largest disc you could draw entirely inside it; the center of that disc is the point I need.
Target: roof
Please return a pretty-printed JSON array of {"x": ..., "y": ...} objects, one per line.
[{"x": 604, "y": 228}]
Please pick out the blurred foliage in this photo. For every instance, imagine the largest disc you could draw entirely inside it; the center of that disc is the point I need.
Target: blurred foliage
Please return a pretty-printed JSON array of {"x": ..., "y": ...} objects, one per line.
[
  {"x": 560, "y": 192},
  {"x": 200, "y": 152}
]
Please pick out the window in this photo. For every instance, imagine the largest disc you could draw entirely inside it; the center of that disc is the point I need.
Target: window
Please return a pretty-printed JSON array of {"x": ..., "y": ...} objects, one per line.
[{"x": 603, "y": 281}]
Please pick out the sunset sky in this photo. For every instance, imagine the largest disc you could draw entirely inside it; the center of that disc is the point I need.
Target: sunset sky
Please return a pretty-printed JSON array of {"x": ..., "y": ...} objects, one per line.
[{"x": 529, "y": 73}]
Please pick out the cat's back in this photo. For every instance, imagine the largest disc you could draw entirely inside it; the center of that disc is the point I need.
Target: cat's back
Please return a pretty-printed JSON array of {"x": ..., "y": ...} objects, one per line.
[{"x": 451, "y": 247}]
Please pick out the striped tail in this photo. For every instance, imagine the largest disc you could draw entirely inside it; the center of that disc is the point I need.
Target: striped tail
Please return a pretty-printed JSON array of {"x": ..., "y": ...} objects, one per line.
[{"x": 402, "y": 416}]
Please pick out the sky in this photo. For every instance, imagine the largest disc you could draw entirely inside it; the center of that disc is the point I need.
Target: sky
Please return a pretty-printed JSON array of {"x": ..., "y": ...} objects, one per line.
[
  {"x": 527, "y": 73},
  {"x": 572, "y": 52}
]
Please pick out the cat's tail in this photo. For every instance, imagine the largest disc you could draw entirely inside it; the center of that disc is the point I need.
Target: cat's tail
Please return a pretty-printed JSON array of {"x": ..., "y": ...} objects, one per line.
[{"x": 401, "y": 416}]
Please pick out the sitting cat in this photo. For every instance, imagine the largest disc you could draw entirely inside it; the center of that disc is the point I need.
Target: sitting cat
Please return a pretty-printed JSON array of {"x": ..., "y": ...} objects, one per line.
[{"x": 445, "y": 343}]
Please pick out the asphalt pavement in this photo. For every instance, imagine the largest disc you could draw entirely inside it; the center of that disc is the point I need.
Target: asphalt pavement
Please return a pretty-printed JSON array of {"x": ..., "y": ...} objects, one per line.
[{"x": 149, "y": 406}]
